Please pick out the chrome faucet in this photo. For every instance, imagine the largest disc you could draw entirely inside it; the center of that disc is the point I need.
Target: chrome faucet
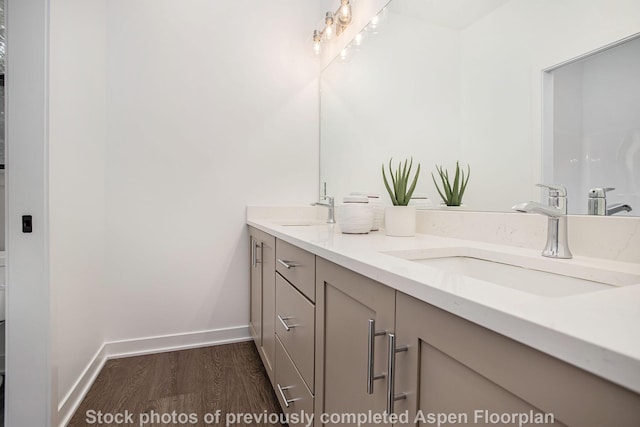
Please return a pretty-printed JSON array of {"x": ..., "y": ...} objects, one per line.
[
  {"x": 614, "y": 209},
  {"x": 598, "y": 203},
  {"x": 330, "y": 203},
  {"x": 557, "y": 245},
  {"x": 331, "y": 216}
]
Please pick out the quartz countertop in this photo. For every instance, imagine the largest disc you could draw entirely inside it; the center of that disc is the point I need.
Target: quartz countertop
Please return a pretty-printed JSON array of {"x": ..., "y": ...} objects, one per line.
[{"x": 596, "y": 331}]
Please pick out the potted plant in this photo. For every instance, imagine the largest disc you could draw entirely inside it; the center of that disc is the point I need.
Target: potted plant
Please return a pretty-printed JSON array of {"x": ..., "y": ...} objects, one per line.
[
  {"x": 400, "y": 219},
  {"x": 452, "y": 194}
]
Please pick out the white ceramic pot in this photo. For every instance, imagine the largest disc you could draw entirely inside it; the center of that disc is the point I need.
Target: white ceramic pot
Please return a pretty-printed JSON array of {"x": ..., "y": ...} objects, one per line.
[
  {"x": 378, "y": 212},
  {"x": 400, "y": 221},
  {"x": 355, "y": 216}
]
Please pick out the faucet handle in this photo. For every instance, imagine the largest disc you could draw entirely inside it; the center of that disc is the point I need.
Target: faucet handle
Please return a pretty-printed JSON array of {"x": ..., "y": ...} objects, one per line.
[
  {"x": 554, "y": 190},
  {"x": 599, "y": 192},
  {"x": 328, "y": 198}
]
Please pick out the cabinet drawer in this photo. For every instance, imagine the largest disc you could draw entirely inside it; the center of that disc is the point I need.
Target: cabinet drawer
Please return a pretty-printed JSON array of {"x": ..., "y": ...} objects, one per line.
[
  {"x": 295, "y": 326},
  {"x": 293, "y": 394},
  {"x": 297, "y": 266}
]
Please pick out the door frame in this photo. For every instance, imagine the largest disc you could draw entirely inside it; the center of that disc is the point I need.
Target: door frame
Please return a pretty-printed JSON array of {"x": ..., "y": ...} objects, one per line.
[{"x": 29, "y": 396}]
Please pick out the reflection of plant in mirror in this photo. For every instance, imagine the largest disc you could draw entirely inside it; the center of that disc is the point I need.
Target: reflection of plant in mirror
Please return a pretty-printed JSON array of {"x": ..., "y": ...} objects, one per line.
[
  {"x": 400, "y": 195},
  {"x": 452, "y": 194}
]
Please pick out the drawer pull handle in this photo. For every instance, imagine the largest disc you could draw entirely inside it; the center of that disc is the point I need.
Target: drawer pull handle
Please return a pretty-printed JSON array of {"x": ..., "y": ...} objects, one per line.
[
  {"x": 286, "y": 327},
  {"x": 284, "y": 398},
  {"x": 287, "y": 264},
  {"x": 391, "y": 371},
  {"x": 371, "y": 376}
]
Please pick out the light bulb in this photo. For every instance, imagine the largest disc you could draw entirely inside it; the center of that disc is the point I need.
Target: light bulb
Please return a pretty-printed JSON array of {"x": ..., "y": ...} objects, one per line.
[
  {"x": 328, "y": 29},
  {"x": 328, "y": 33},
  {"x": 343, "y": 54},
  {"x": 375, "y": 21},
  {"x": 357, "y": 40},
  {"x": 344, "y": 15},
  {"x": 316, "y": 42}
]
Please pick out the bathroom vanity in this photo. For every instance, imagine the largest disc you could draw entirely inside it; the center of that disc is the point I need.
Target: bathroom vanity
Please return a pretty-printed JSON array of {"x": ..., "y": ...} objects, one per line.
[{"x": 362, "y": 324}]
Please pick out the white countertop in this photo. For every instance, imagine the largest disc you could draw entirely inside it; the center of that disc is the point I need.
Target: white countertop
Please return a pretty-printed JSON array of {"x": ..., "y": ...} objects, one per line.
[{"x": 596, "y": 331}]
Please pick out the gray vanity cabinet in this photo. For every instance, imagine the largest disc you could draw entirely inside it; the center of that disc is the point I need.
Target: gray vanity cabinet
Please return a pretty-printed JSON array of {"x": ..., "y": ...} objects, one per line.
[
  {"x": 263, "y": 296},
  {"x": 345, "y": 304},
  {"x": 336, "y": 357},
  {"x": 454, "y": 366}
]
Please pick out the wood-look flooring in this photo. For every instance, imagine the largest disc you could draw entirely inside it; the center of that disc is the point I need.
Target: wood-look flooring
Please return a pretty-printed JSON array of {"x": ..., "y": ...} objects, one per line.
[{"x": 198, "y": 381}]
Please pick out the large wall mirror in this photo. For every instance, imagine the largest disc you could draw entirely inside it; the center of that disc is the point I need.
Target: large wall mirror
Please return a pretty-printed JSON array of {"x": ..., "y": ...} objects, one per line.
[{"x": 499, "y": 85}]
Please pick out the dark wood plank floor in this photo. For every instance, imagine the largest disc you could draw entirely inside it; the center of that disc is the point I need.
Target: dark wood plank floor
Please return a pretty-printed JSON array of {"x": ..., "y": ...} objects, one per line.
[{"x": 199, "y": 381}]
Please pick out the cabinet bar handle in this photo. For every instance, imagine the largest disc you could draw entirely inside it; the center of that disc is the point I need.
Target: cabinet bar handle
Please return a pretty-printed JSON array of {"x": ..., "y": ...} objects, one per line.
[
  {"x": 371, "y": 376},
  {"x": 284, "y": 398},
  {"x": 254, "y": 252},
  {"x": 288, "y": 264},
  {"x": 391, "y": 371},
  {"x": 286, "y": 327}
]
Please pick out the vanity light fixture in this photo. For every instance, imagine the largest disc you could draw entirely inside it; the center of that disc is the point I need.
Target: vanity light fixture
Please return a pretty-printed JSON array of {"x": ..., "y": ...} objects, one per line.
[{"x": 334, "y": 24}]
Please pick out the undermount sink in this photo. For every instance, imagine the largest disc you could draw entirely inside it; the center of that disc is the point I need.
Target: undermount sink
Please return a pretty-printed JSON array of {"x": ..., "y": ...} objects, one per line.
[{"x": 535, "y": 275}]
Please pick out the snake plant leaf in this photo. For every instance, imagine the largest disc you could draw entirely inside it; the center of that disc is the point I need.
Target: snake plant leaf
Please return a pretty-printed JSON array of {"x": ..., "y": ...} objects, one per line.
[
  {"x": 444, "y": 199},
  {"x": 399, "y": 190},
  {"x": 455, "y": 190},
  {"x": 393, "y": 180},
  {"x": 402, "y": 191},
  {"x": 446, "y": 184},
  {"x": 452, "y": 194},
  {"x": 386, "y": 184},
  {"x": 398, "y": 186},
  {"x": 413, "y": 184},
  {"x": 465, "y": 182}
]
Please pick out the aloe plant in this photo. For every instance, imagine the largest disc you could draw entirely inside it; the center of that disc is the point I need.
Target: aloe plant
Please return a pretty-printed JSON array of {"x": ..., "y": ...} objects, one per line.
[
  {"x": 401, "y": 192},
  {"x": 452, "y": 194}
]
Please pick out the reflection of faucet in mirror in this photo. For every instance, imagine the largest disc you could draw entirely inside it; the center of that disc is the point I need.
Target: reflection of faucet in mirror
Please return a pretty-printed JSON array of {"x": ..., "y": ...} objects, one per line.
[
  {"x": 598, "y": 203},
  {"x": 557, "y": 245}
]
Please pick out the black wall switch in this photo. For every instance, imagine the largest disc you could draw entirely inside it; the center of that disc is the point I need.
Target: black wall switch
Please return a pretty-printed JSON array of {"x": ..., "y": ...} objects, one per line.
[{"x": 27, "y": 224}]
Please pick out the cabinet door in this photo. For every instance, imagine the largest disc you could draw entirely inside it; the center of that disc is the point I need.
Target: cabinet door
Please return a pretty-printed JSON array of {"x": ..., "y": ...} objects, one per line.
[
  {"x": 263, "y": 296},
  {"x": 255, "y": 303},
  {"x": 345, "y": 304},
  {"x": 269, "y": 304},
  {"x": 453, "y": 366}
]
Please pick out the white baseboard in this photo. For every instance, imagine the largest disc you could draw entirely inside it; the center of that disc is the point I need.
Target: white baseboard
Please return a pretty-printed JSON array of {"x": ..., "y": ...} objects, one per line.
[
  {"x": 140, "y": 346},
  {"x": 159, "y": 344},
  {"x": 70, "y": 402}
]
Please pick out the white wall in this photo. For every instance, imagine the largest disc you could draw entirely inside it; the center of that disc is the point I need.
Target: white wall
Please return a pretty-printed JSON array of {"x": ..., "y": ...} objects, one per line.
[
  {"x": 77, "y": 137},
  {"x": 211, "y": 106}
]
